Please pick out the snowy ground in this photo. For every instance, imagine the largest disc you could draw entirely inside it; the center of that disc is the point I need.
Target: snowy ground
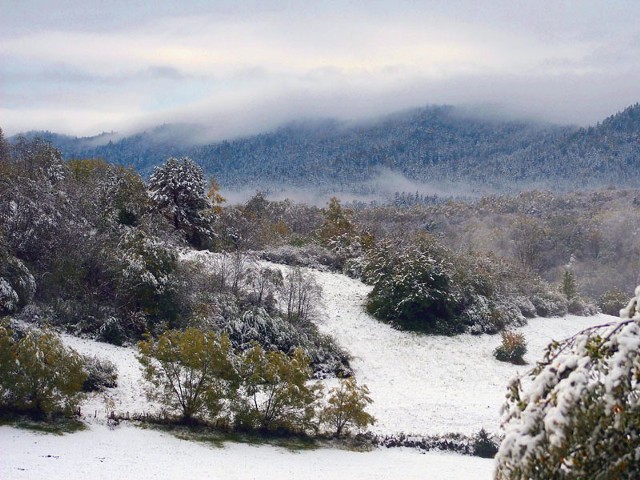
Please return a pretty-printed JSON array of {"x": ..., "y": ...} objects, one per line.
[
  {"x": 430, "y": 384},
  {"x": 420, "y": 384}
]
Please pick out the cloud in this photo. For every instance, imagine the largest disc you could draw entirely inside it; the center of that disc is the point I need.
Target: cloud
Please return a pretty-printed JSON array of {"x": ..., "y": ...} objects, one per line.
[{"x": 240, "y": 67}]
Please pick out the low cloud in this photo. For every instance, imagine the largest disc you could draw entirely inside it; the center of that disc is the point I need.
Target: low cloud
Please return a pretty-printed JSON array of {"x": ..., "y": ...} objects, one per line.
[{"x": 239, "y": 69}]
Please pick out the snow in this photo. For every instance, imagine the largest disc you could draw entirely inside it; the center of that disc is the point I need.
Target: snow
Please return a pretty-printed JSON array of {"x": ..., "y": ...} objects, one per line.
[
  {"x": 129, "y": 452},
  {"x": 420, "y": 384},
  {"x": 424, "y": 384}
]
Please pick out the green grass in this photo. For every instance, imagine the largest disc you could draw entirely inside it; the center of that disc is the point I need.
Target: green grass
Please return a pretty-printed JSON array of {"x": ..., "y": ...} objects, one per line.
[
  {"x": 217, "y": 438},
  {"x": 55, "y": 425}
]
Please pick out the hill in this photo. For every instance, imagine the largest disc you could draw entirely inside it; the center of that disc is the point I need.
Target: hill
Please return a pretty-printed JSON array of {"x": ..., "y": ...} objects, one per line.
[{"x": 431, "y": 149}]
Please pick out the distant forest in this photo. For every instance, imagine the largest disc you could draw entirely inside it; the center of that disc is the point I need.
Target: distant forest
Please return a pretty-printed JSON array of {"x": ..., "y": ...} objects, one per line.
[{"x": 434, "y": 147}]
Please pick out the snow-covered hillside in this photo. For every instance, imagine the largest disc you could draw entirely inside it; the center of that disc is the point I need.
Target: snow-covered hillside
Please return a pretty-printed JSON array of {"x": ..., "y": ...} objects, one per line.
[
  {"x": 429, "y": 384},
  {"x": 420, "y": 384}
]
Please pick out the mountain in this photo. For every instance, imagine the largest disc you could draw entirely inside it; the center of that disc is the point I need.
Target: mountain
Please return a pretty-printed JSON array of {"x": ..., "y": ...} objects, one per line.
[{"x": 436, "y": 145}]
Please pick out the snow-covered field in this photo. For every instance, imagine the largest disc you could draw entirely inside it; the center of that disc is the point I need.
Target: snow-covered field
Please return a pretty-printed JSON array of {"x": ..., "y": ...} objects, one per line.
[{"x": 419, "y": 384}]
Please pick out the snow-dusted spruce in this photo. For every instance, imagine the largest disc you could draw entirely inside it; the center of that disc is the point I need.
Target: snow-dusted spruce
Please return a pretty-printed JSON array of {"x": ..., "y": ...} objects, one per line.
[{"x": 577, "y": 414}]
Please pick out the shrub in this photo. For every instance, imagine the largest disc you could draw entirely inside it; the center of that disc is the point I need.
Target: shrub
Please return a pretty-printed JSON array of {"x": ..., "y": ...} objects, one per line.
[
  {"x": 101, "y": 374},
  {"x": 613, "y": 301},
  {"x": 413, "y": 288},
  {"x": 550, "y": 304},
  {"x": 276, "y": 393},
  {"x": 38, "y": 374},
  {"x": 512, "y": 349},
  {"x": 484, "y": 445},
  {"x": 346, "y": 406},
  {"x": 189, "y": 372},
  {"x": 577, "y": 415}
]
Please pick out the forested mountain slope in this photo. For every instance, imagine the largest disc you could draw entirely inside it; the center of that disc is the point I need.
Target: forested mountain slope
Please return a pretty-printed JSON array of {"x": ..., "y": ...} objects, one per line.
[{"x": 430, "y": 145}]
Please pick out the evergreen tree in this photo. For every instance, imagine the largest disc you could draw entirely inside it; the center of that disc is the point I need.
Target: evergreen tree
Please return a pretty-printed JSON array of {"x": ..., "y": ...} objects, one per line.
[
  {"x": 179, "y": 188},
  {"x": 577, "y": 415}
]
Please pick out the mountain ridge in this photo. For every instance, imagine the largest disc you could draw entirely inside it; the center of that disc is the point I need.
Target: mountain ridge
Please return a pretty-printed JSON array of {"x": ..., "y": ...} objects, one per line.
[{"x": 432, "y": 145}]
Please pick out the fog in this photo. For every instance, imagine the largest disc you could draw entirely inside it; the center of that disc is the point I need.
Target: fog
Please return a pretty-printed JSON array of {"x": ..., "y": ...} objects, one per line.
[{"x": 381, "y": 188}]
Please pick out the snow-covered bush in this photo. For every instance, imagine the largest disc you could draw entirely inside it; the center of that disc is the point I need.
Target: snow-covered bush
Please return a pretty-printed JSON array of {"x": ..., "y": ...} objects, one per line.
[
  {"x": 146, "y": 280},
  {"x": 576, "y": 414},
  {"x": 17, "y": 285},
  {"x": 101, "y": 374},
  {"x": 276, "y": 333},
  {"x": 549, "y": 303},
  {"x": 612, "y": 301},
  {"x": 413, "y": 287}
]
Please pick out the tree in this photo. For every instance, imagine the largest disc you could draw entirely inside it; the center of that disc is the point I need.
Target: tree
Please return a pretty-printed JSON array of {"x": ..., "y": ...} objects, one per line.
[
  {"x": 578, "y": 412},
  {"x": 346, "y": 406},
  {"x": 299, "y": 292},
  {"x": 276, "y": 391},
  {"x": 38, "y": 374},
  {"x": 337, "y": 224},
  {"x": 190, "y": 372},
  {"x": 569, "y": 285},
  {"x": 180, "y": 190}
]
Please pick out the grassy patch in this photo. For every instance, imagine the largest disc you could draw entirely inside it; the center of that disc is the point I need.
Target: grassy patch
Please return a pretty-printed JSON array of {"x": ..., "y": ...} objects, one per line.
[
  {"x": 55, "y": 425},
  {"x": 217, "y": 438}
]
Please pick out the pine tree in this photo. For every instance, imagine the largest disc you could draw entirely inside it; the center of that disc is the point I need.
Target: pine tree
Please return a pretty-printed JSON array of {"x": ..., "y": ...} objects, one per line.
[{"x": 179, "y": 189}]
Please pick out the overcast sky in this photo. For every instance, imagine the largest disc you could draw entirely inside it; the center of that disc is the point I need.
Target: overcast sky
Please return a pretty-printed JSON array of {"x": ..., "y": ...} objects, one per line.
[{"x": 83, "y": 67}]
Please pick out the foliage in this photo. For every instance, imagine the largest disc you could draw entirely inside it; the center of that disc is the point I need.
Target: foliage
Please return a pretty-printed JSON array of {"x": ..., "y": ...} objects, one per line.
[
  {"x": 145, "y": 276},
  {"x": 276, "y": 392},
  {"x": 512, "y": 348},
  {"x": 413, "y": 287},
  {"x": 577, "y": 413},
  {"x": 424, "y": 286},
  {"x": 190, "y": 372},
  {"x": 179, "y": 189},
  {"x": 38, "y": 374},
  {"x": 612, "y": 301},
  {"x": 346, "y": 407},
  {"x": 484, "y": 446},
  {"x": 569, "y": 285},
  {"x": 101, "y": 374}
]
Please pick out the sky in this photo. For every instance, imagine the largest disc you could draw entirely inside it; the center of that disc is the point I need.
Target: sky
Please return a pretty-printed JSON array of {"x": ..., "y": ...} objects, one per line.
[{"x": 241, "y": 67}]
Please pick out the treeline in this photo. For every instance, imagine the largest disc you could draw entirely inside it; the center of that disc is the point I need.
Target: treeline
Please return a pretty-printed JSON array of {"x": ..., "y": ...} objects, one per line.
[
  {"x": 439, "y": 144},
  {"x": 91, "y": 248},
  {"x": 101, "y": 257}
]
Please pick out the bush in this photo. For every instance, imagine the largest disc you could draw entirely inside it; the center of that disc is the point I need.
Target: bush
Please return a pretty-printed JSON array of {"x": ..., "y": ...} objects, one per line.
[
  {"x": 101, "y": 374},
  {"x": 484, "y": 445},
  {"x": 550, "y": 304},
  {"x": 577, "y": 415},
  {"x": 413, "y": 288},
  {"x": 38, "y": 375},
  {"x": 276, "y": 393},
  {"x": 613, "y": 301},
  {"x": 346, "y": 406},
  {"x": 189, "y": 371},
  {"x": 512, "y": 349}
]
